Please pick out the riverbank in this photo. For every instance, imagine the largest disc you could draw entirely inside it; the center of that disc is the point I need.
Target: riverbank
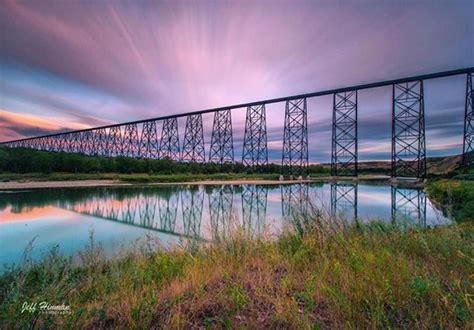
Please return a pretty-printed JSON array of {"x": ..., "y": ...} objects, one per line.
[
  {"x": 454, "y": 197},
  {"x": 368, "y": 277},
  {"x": 12, "y": 181}
]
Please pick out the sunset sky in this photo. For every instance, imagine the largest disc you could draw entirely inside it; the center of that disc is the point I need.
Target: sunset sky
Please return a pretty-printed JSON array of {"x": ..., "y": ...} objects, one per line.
[{"x": 74, "y": 64}]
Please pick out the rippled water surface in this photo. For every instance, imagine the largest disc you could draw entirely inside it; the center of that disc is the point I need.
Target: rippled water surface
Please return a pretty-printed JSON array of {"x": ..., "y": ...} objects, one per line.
[{"x": 121, "y": 218}]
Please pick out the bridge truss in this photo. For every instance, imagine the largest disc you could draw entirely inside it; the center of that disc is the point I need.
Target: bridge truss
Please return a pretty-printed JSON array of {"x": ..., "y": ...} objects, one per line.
[{"x": 140, "y": 138}]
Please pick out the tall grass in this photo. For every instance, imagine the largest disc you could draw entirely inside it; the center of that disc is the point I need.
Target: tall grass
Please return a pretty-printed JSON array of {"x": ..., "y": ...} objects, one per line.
[{"x": 321, "y": 276}]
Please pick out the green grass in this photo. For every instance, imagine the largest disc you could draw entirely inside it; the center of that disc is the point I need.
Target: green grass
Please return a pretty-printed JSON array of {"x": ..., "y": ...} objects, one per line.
[
  {"x": 456, "y": 197},
  {"x": 135, "y": 177},
  {"x": 368, "y": 277}
]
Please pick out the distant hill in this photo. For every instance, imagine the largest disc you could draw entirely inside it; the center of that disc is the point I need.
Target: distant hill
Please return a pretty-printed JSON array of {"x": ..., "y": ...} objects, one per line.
[{"x": 434, "y": 165}]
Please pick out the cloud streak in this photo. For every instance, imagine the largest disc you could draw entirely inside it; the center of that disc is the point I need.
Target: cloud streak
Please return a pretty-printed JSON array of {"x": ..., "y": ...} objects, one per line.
[{"x": 101, "y": 62}]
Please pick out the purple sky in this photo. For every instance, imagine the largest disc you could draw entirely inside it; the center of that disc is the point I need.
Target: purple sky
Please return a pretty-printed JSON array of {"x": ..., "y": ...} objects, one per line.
[{"x": 67, "y": 65}]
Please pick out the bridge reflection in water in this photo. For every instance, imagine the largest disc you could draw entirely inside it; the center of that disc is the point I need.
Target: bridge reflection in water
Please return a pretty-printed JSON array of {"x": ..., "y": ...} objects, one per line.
[{"x": 181, "y": 210}]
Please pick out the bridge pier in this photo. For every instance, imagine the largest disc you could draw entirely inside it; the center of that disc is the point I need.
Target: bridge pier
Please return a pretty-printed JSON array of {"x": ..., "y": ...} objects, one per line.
[
  {"x": 255, "y": 138},
  {"x": 149, "y": 142},
  {"x": 344, "y": 134},
  {"x": 408, "y": 130},
  {"x": 295, "y": 137},
  {"x": 169, "y": 145},
  {"x": 115, "y": 141},
  {"x": 468, "y": 142},
  {"x": 193, "y": 145},
  {"x": 131, "y": 142},
  {"x": 100, "y": 142},
  {"x": 222, "y": 145}
]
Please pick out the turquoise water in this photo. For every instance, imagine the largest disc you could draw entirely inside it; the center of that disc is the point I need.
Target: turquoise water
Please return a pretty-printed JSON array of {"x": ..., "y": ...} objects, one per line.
[{"x": 164, "y": 216}]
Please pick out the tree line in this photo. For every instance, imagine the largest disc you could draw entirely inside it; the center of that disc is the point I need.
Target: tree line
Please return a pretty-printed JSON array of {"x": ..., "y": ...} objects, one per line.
[{"x": 24, "y": 160}]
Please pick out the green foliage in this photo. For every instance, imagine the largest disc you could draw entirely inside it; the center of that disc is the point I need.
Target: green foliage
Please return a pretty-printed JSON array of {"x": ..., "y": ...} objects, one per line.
[
  {"x": 456, "y": 197},
  {"x": 21, "y": 160},
  {"x": 375, "y": 276}
]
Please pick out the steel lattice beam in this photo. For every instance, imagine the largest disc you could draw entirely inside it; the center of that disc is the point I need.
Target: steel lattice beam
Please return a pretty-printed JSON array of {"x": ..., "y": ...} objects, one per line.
[
  {"x": 149, "y": 141},
  {"x": 222, "y": 145},
  {"x": 295, "y": 137},
  {"x": 468, "y": 142},
  {"x": 193, "y": 145},
  {"x": 344, "y": 134},
  {"x": 255, "y": 137},
  {"x": 408, "y": 130}
]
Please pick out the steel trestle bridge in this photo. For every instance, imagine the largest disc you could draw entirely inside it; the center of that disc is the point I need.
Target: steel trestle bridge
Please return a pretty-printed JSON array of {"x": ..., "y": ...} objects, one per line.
[{"x": 141, "y": 138}]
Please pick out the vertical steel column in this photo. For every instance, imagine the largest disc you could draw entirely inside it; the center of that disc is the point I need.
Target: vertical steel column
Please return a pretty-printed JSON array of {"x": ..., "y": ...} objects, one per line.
[
  {"x": 149, "y": 142},
  {"x": 169, "y": 145},
  {"x": 408, "y": 205},
  {"x": 255, "y": 137},
  {"x": 116, "y": 143},
  {"x": 468, "y": 142},
  {"x": 344, "y": 134},
  {"x": 131, "y": 142},
  {"x": 193, "y": 145},
  {"x": 295, "y": 137},
  {"x": 222, "y": 145},
  {"x": 408, "y": 130}
]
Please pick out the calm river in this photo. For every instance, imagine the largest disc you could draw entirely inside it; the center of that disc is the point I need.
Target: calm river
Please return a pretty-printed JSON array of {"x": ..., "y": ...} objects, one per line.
[{"x": 122, "y": 218}]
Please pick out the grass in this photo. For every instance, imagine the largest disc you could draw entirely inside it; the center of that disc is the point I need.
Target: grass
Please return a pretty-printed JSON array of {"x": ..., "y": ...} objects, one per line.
[
  {"x": 456, "y": 197},
  {"x": 375, "y": 275},
  {"x": 135, "y": 177}
]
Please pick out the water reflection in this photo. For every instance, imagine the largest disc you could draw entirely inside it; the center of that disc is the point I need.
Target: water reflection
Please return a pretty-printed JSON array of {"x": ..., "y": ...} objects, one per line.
[
  {"x": 254, "y": 209},
  {"x": 189, "y": 212},
  {"x": 344, "y": 196},
  {"x": 408, "y": 205}
]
